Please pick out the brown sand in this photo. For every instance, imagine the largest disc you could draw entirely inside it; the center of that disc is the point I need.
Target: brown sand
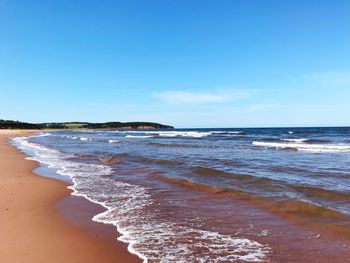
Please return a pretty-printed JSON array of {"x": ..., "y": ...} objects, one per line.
[{"x": 32, "y": 229}]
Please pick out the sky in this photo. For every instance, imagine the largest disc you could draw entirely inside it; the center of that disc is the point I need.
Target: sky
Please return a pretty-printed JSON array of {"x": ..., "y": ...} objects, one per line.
[{"x": 185, "y": 63}]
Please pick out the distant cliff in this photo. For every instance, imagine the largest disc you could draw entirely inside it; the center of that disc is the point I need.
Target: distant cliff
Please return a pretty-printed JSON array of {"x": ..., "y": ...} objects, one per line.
[{"x": 8, "y": 124}]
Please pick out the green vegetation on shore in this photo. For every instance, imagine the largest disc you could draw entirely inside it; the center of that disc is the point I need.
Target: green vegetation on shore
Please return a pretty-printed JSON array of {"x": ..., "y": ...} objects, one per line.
[{"x": 9, "y": 124}]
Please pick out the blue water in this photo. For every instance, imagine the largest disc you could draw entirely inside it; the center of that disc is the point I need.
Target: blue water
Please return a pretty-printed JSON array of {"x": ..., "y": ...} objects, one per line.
[{"x": 166, "y": 183}]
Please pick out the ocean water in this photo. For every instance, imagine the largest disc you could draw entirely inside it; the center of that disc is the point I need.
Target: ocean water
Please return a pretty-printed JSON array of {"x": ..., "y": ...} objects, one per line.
[{"x": 209, "y": 195}]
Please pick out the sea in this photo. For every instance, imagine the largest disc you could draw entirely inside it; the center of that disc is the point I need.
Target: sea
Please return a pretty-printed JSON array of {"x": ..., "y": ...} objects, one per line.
[{"x": 211, "y": 195}]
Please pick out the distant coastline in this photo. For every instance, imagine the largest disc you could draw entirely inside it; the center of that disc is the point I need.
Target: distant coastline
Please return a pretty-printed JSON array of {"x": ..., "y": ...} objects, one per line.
[{"x": 10, "y": 124}]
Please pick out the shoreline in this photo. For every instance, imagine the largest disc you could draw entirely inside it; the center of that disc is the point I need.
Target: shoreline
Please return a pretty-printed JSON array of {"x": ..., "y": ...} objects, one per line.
[
  {"x": 49, "y": 225},
  {"x": 287, "y": 236}
]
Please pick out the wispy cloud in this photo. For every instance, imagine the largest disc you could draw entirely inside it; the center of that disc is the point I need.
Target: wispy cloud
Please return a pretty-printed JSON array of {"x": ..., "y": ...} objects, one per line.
[
  {"x": 337, "y": 78},
  {"x": 261, "y": 107},
  {"x": 190, "y": 98}
]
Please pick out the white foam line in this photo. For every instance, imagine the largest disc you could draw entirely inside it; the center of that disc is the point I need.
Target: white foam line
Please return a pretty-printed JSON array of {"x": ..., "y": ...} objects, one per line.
[
  {"x": 226, "y": 132},
  {"x": 125, "y": 211},
  {"x": 295, "y": 140},
  {"x": 194, "y": 134},
  {"x": 95, "y": 218},
  {"x": 138, "y": 136},
  {"x": 314, "y": 148},
  {"x": 23, "y": 142}
]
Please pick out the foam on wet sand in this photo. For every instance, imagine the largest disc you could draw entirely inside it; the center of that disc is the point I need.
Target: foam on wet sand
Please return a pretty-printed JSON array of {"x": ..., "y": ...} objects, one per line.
[{"x": 31, "y": 227}]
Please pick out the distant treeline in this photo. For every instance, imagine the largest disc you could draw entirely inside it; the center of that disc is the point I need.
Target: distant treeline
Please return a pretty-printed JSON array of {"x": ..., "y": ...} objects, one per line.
[
  {"x": 126, "y": 125},
  {"x": 8, "y": 124}
]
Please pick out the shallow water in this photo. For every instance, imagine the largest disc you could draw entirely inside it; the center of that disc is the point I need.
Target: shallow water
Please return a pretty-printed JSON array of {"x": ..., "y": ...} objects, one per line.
[{"x": 212, "y": 195}]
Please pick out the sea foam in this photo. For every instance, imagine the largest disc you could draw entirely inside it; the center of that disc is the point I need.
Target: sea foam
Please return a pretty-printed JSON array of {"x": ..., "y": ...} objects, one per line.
[
  {"x": 169, "y": 134},
  {"x": 295, "y": 140},
  {"x": 312, "y": 148},
  {"x": 126, "y": 206}
]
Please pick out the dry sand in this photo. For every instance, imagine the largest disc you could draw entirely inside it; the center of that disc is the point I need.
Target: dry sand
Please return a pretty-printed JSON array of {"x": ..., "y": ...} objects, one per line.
[{"x": 32, "y": 229}]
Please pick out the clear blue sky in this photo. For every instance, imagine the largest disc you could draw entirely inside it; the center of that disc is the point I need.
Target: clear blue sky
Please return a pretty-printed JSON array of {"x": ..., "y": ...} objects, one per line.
[{"x": 186, "y": 63}]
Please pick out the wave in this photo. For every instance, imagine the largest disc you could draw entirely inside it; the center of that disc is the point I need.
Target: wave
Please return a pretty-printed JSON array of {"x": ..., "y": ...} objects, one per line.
[
  {"x": 312, "y": 148},
  {"x": 206, "y": 171},
  {"x": 304, "y": 140},
  {"x": 229, "y": 189},
  {"x": 175, "y": 145},
  {"x": 236, "y": 177},
  {"x": 295, "y": 140},
  {"x": 268, "y": 187},
  {"x": 240, "y": 184},
  {"x": 196, "y": 186},
  {"x": 70, "y": 137},
  {"x": 325, "y": 194},
  {"x": 193, "y": 134},
  {"x": 189, "y": 134},
  {"x": 228, "y": 132},
  {"x": 276, "y": 139},
  {"x": 113, "y": 141},
  {"x": 184, "y": 134},
  {"x": 44, "y": 134},
  {"x": 138, "y": 136},
  {"x": 307, "y": 131},
  {"x": 85, "y": 139},
  {"x": 148, "y": 160},
  {"x": 307, "y": 213},
  {"x": 126, "y": 208},
  {"x": 77, "y": 138},
  {"x": 109, "y": 160}
]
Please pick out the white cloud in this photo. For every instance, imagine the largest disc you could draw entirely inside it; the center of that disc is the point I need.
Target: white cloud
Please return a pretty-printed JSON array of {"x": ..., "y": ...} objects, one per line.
[{"x": 185, "y": 97}]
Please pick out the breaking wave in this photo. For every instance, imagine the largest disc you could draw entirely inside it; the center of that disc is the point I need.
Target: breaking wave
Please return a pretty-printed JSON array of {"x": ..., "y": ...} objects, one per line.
[
  {"x": 312, "y": 148},
  {"x": 126, "y": 208}
]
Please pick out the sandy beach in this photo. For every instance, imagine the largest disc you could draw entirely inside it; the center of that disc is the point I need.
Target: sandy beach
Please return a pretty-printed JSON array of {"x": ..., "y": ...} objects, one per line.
[{"x": 37, "y": 219}]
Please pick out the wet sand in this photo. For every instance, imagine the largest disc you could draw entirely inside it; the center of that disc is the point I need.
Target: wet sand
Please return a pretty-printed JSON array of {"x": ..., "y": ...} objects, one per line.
[{"x": 40, "y": 222}]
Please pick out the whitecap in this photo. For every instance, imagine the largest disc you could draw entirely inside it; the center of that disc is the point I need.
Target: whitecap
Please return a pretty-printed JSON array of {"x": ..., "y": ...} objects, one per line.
[
  {"x": 312, "y": 148},
  {"x": 138, "y": 136},
  {"x": 194, "y": 134},
  {"x": 227, "y": 132},
  {"x": 295, "y": 140}
]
